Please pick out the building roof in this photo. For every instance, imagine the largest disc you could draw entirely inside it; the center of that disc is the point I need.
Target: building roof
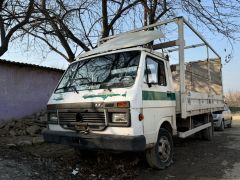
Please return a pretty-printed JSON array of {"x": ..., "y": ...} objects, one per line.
[{"x": 21, "y": 64}]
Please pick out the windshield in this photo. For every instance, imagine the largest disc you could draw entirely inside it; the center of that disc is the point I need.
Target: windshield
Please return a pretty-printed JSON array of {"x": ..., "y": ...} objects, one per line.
[{"x": 104, "y": 72}]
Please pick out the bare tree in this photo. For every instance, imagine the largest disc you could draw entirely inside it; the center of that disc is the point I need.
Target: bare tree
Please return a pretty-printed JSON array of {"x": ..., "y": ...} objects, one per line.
[
  {"x": 217, "y": 15},
  {"x": 54, "y": 24},
  {"x": 154, "y": 10},
  {"x": 108, "y": 20},
  {"x": 71, "y": 26},
  {"x": 14, "y": 14},
  {"x": 233, "y": 98}
]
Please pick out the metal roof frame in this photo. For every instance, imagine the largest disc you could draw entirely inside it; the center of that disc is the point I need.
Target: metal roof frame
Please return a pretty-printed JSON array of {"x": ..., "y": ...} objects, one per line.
[{"x": 180, "y": 43}]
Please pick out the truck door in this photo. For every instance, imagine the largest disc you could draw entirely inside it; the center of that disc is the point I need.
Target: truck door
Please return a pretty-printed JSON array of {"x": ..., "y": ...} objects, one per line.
[{"x": 158, "y": 97}]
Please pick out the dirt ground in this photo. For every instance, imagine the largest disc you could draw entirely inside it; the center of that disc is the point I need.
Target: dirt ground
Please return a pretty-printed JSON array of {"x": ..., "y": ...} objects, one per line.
[{"x": 194, "y": 159}]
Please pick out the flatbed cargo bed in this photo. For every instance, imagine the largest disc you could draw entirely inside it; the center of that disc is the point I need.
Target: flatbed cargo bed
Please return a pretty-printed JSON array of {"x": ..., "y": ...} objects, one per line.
[{"x": 203, "y": 85}]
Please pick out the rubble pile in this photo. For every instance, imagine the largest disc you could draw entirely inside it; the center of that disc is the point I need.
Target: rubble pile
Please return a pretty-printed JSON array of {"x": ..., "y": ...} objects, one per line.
[{"x": 31, "y": 125}]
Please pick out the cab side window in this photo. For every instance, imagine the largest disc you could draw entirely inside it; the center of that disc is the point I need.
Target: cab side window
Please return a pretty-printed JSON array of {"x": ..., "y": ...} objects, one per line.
[
  {"x": 162, "y": 75},
  {"x": 151, "y": 71},
  {"x": 155, "y": 72}
]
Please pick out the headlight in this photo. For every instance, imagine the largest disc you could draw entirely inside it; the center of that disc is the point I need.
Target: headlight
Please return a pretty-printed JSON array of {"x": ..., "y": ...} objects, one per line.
[
  {"x": 119, "y": 118},
  {"x": 53, "y": 117}
]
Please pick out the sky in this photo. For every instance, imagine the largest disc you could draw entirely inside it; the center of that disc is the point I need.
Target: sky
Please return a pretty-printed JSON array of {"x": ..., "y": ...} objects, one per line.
[{"x": 230, "y": 71}]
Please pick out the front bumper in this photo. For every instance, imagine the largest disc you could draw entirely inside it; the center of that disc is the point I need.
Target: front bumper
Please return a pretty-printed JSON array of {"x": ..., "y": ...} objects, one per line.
[{"x": 96, "y": 141}]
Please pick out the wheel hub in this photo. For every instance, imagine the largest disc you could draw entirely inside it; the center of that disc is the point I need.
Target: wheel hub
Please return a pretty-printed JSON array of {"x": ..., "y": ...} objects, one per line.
[{"x": 164, "y": 148}]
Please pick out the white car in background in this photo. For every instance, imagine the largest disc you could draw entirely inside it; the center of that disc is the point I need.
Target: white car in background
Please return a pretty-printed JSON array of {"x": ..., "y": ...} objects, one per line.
[{"x": 222, "y": 120}]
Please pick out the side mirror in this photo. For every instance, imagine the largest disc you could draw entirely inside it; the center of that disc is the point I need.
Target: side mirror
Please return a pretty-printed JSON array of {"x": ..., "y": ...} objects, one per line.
[
  {"x": 147, "y": 78},
  {"x": 149, "y": 85}
]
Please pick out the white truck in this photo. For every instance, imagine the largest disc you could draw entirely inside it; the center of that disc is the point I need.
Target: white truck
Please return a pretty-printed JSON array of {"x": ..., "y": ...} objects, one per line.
[{"x": 124, "y": 95}]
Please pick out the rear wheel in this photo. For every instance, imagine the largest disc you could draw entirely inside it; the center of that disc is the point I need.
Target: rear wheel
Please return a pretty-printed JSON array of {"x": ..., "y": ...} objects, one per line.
[
  {"x": 230, "y": 124},
  {"x": 161, "y": 155}
]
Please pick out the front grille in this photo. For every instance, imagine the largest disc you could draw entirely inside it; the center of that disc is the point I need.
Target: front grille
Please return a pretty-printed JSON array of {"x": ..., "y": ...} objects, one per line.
[{"x": 94, "y": 120}]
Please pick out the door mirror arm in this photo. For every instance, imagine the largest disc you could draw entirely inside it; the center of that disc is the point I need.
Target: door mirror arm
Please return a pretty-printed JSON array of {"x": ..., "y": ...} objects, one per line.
[
  {"x": 149, "y": 84},
  {"x": 147, "y": 78}
]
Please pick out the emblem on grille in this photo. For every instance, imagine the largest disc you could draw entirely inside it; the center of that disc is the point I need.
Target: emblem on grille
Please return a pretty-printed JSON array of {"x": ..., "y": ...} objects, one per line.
[
  {"x": 98, "y": 105},
  {"x": 79, "y": 117}
]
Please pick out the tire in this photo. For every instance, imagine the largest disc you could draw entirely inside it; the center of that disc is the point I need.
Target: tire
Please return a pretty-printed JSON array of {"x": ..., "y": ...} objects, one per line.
[
  {"x": 230, "y": 124},
  {"x": 222, "y": 126},
  {"x": 161, "y": 155}
]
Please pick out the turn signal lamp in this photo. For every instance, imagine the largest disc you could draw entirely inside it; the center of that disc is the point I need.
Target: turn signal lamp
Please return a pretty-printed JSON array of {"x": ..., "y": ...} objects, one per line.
[
  {"x": 140, "y": 117},
  {"x": 123, "y": 104}
]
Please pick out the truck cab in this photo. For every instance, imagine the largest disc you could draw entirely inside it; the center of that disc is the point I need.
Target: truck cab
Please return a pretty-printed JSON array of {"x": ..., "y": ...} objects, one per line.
[{"x": 117, "y": 101}]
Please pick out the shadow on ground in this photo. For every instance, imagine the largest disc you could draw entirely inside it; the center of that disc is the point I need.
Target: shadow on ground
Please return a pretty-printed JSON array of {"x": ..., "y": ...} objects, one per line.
[{"x": 194, "y": 159}]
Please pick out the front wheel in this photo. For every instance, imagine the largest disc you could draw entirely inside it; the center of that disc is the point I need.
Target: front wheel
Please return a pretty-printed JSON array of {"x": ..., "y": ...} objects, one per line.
[
  {"x": 222, "y": 126},
  {"x": 161, "y": 155},
  {"x": 230, "y": 124}
]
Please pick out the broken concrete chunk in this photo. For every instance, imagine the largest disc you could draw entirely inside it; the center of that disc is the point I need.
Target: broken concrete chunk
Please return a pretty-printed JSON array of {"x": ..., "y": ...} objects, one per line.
[
  {"x": 11, "y": 145},
  {"x": 38, "y": 114},
  {"x": 3, "y": 132},
  {"x": 12, "y": 132},
  {"x": 43, "y": 118},
  {"x": 33, "y": 130},
  {"x": 30, "y": 125},
  {"x": 2, "y": 125},
  {"x": 19, "y": 124},
  {"x": 37, "y": 140},
  {"x": 21, "y": 133},
  {"x": 11, "y": 124},
  {"x": 44, "y": 129},
  {"x": 24, "y": 143}
]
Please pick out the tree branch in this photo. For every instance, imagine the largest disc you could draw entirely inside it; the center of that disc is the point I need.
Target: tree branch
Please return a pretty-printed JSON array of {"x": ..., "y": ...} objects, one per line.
[{"x": 5, "y": 38}]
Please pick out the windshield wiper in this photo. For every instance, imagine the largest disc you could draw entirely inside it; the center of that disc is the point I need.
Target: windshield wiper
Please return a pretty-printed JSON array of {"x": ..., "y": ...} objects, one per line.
[
  {"x": 95, "y": 83},
  {"x": 104, "y": 86},
  {"x": 65, "y": 88},
  {"x": 74, "y": 88}
]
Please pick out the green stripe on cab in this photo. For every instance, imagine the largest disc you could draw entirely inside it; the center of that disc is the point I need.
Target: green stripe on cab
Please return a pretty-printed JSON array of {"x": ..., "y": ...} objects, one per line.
[{"x": 154, "y": 95}]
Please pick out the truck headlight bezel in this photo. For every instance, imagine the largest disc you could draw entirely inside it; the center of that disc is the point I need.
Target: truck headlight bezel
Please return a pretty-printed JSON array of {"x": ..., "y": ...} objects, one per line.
[
  {"x": 119, "y": 118},
  {"x": 52, "y": 118}
]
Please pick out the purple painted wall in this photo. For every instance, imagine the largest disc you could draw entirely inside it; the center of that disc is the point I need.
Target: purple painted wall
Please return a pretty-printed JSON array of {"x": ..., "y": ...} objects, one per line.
[{"x": 25, "y": 89}]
